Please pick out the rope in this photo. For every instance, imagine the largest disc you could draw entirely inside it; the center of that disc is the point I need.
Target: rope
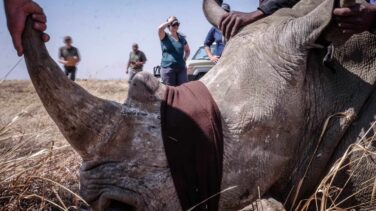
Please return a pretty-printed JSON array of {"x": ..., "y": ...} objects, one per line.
[{"x": 11, "y": 70}]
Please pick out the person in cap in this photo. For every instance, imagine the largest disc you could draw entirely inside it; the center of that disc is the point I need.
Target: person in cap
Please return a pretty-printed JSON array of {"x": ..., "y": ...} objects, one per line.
[
  {"x": 175, "y": 51},
  {"x": 215, "y": 35},
  {"x": 136, "y": 61},
  {"x": 69, "y": 57}
]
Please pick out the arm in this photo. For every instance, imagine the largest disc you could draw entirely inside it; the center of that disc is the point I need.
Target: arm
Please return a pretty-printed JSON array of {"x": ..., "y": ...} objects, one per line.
[
  {"x": 161, "y": 30},
  {"x": 16, "y": 12},
  {"x": 61, "y": 58},
  {"x": 142, "y": 60},
  {"x": 187, "y": 52},
  {"x": 231, "y": 23},
  {"x": 163, "y": 26},
  {"x": 128, "y": 64},
  {"x": 269, "y": 7},
  {"x": 357, "y": 19},
  {"x": 78, "y": 57},
  {"x": 208, "y": 42}
]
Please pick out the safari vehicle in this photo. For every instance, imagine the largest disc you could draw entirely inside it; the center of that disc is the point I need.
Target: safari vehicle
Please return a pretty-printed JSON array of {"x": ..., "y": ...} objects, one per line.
[{"x": 199, "y": 64}]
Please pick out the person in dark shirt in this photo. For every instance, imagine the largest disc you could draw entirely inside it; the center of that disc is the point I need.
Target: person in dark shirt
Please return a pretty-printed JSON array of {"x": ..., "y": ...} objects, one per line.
[
  {"x": 69, "y": 57},
  {"x": 215, "y": 35},
  {"x": 351, "y": 20}
]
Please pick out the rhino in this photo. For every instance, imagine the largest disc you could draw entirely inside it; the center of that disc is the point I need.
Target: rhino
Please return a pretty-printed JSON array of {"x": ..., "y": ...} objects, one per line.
[{"x": 273, "y": 91}]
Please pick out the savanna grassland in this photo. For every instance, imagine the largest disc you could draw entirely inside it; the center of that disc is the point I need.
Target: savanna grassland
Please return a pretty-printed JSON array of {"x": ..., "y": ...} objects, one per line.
[{"x": 39, "y": 170}]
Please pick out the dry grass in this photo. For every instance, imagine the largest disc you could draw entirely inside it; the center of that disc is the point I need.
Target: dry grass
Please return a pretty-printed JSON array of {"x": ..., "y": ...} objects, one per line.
[
  {"x": 40, "y": 171},
  {"x": 38, "y": 168},
  {"x": 330, "y": 196}
]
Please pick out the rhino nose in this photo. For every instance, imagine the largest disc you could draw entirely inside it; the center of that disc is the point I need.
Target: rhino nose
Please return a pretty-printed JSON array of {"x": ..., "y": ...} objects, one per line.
[{"x": 120, "y": 206}]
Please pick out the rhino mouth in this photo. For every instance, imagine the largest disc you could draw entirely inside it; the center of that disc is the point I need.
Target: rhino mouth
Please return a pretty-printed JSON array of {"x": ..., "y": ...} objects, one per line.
[
  {"x": 115, "y": 205},
  {"x": 118, "y": 202}
]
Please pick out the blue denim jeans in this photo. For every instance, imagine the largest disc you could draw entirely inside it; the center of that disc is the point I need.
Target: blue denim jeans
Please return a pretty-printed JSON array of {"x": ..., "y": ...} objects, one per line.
[
  {"x": 174, "y": 76},
  {"x": 70, "y": 72}
]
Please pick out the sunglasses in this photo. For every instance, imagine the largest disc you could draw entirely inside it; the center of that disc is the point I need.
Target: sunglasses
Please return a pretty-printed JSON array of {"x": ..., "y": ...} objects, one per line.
[{"x": 175, "y": 24}]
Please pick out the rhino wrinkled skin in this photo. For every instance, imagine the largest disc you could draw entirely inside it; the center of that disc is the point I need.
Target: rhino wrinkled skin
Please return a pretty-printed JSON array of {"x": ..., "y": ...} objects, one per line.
[{"x": 274, "y": 94}]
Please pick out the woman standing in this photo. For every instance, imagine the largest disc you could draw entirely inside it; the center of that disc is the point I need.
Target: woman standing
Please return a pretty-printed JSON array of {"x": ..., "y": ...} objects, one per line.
[{"x": 175, "y": 51}]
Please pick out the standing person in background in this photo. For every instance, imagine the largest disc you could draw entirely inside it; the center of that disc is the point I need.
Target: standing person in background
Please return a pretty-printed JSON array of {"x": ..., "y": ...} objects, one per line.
[
  {"x": 175, "y": 51},
  {"x": 69, "y": 57},
  {"x": 350, "y": 19},
  {"x": 136, "y": 61},
  {"x": 215, "y": 35}
]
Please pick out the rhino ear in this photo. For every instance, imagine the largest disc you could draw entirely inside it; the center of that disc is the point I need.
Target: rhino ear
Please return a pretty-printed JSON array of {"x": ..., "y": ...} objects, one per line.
[{"x": 313, "y": 21}]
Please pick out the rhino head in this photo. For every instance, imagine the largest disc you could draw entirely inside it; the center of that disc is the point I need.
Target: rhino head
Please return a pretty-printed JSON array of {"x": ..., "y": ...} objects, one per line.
[
  {"x": 270, "y": 87},
  {"x": 123, "y": 158}
]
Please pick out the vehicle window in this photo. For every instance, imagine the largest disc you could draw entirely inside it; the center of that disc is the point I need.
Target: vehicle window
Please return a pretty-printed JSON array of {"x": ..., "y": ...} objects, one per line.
[{"x": 201, "y": 54}]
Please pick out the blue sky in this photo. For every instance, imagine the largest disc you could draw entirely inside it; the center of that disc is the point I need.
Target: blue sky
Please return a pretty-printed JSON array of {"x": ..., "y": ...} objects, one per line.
[{"x": 103, "y": 31}]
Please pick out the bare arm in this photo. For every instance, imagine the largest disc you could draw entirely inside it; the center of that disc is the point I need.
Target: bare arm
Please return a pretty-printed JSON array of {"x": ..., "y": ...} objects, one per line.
[
  {"x": 161, "y": 30},
  {"x": 163, "y": 26},
  {"x": 62, "y": 60},
  {"x": 78, "y": 59},
  {"x": 212, "y": 58},
  {"x": 128, "y": 64},
  {"x": 187, "y": 52},
  {"x": 16, "y": 13}
]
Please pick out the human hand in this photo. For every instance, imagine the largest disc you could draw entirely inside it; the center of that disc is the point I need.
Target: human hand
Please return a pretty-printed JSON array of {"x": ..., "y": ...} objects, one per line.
[
  {"x": 232, "y": 22},
  {"x": 356, "y": 19},
  {"x": 214, "y": 59},
  {"x": 16, "y": 13},
  {"x": 64, "y": 62}
]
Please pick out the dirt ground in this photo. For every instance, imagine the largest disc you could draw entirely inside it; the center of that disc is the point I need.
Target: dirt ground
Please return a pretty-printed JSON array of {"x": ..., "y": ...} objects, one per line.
[{"x": 38, "y": 168}]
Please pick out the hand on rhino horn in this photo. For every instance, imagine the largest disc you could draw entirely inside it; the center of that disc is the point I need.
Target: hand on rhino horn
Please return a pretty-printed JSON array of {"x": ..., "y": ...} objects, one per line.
[
  {"x": 16, "y": 13},
  {"x": 356, "y": 19},
  {"x": 232, "y": 22}
]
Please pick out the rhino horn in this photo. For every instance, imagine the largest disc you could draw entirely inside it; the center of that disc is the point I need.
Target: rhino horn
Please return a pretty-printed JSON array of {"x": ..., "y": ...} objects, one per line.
[
  {"x": 213, "y": 11},
  {"x": 79, "y": 115}
]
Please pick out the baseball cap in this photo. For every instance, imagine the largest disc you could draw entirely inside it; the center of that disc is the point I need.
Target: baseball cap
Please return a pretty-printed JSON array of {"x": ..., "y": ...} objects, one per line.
[
  {"x": 226, "y": 7},
  {"x": 176, "y": 21}
]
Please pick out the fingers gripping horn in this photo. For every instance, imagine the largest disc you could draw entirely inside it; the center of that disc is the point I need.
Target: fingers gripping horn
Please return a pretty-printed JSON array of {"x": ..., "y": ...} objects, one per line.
[{"x": 213, "y": 11}]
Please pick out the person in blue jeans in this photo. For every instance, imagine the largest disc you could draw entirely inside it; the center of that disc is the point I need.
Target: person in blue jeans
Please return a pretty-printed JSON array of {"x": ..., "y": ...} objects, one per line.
[
  {"x": 350, "y": 20},
  {"x": 175, "y": 51},
  {"x": 215, "y": 35}
]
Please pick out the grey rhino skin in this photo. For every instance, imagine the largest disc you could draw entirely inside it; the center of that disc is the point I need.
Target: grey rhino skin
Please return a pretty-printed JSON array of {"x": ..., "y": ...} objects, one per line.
[{"x": 274, "y": 95}]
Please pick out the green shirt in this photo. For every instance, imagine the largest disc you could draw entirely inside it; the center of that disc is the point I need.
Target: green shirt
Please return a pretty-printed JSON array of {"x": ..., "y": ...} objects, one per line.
[
  {"x": 67, "y": 53},
  {"x": 133, "y": 58},
  {"x": 173, "y": 51}
]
